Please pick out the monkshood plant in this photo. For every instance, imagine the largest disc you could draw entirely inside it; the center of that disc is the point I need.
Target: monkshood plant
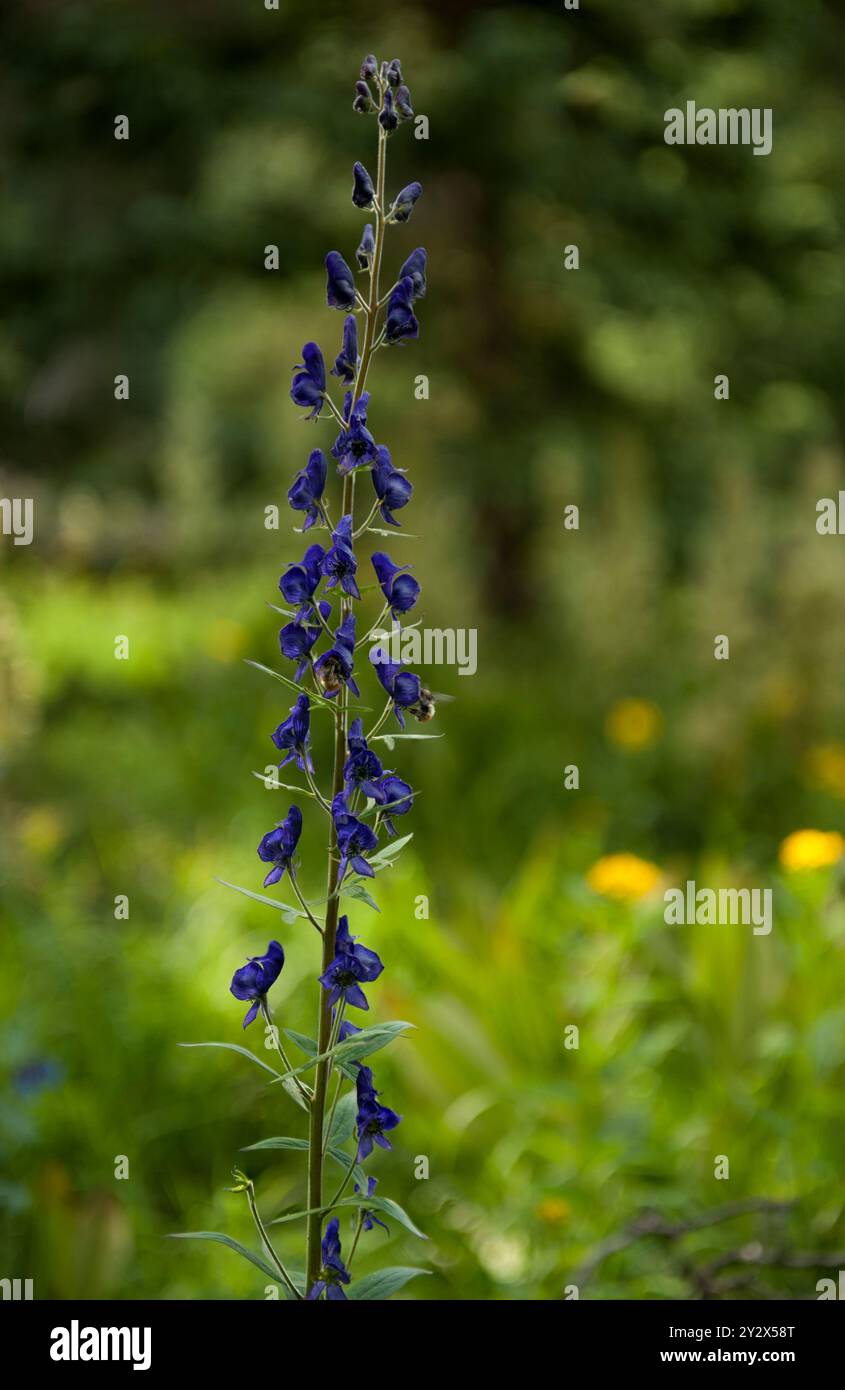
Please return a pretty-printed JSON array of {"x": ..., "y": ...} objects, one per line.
[{"x": 363, "y": 800}]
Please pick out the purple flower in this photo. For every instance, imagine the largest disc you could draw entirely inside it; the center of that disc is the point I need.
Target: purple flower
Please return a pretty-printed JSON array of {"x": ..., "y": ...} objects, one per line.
[
  {"x": 362, "y": 187},
  {"x": 279, "y": 846},
  {"x": 345, "y": 1031},
  {"x": 403, "y": 103},
  {"x": 369, "y": 1218},
  {"x": 362, "y": 767},
  {"x": 333, "y": 669},
  {"x": 339, "y": 563},
  {"x": 391, "y": 486},
  {"x": 401, "y": 322},
  {"x": 403, "y": 687},
  {"x": 294, "y": 735},
  {"x": 372, "y": 1119},
  {"x": 308, "y": 386},
  {"x": 400, "y": 590},
  {"x": 354, "y": 445},
  {"x": 393, "y": 792},
  {"x": 414, "y": 270},
  {"x": 392, "y": 72},
  {"x": 296, "y": 641},
  {"x": 364, "y": 254},
  {"x": 346, "y": 362},
  {"x": 352, "y": 966},
  {"x": 299, "y": 582},
  {"x": 363, "y": 99},
  {"x": 369, "y": 67},
  {"x": 340, "y": 285},
  {"x": 334, "y": 1272},
  {"x": 387, "y": 117},
  {"x": 354, "y": 839},
  {"x": 254, "y": 979},
  {"x": 307, "y": 487},
  {"x": 403, "y": 203}
]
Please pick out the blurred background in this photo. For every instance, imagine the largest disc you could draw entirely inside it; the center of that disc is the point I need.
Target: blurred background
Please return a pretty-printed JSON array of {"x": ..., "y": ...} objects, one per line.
[{"x": 548, "y": 387}]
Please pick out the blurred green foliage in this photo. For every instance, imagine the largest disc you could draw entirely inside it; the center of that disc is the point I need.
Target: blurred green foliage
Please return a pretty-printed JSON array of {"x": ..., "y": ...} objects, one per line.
[{"x": 548, "y": 387}]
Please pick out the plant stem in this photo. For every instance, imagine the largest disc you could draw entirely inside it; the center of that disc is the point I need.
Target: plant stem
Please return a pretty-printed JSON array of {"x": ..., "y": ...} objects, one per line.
[
  {"x": 318, "y": 1103},
  {"x": 265, "y": 1240}
]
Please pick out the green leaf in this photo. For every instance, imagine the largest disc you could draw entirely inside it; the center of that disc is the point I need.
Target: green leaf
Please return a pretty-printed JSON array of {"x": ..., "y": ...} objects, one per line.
[
  {"x": 386, "y": 1205},
  {"x": 361, "y": 1045},
  {"x": 343, "y": 1120},
  {"x": 370, "y": 1040},
  {"x": 383, "y": 1283},
  {"x": 341, "y": 1158},
  {"x": 233, "y": 1245},
  {"x": 286, "y": 1080},
  {"x": 357, "y": 890},
  {"x": 316, "y": 700},
  {"x": 283, "y": 1141},
  {"x": 378, "y": 531},
  {"x": 283, "y": 786},
  {"x": 384, "y": 857},
  {"x": 390, "y": 739},
  {"x": 289, "y": 913},
  {"x": 244, "y": 1051},
  {"x": 309, "y": 1047}
]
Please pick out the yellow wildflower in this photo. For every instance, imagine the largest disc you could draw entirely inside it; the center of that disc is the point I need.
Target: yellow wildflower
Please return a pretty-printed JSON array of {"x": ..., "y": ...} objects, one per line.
[
  {"x": 623, "y": 876},
  {"x": 810, "y": 849},
  {"x": 633, "y": 723}
]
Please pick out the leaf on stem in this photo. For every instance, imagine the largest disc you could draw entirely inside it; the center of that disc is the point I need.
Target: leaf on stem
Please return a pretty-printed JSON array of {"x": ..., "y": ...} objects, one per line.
[
  {"x": 383, "y": 1283},
  {"x": 289, "y": 913},
  {"x": 385, "y": 1205}
]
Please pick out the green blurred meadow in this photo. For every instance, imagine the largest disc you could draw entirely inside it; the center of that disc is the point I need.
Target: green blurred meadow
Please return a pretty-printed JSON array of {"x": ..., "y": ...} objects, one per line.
[{"x": 548, "y": 387}]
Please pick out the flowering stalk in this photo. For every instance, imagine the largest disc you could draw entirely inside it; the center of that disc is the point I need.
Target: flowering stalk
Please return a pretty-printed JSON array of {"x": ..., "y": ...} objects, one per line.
[{"x": 363, "y": 798}]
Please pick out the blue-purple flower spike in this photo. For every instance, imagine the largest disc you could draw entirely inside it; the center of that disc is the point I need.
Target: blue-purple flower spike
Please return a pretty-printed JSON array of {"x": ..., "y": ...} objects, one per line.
[{"x": 328, "y": 745}]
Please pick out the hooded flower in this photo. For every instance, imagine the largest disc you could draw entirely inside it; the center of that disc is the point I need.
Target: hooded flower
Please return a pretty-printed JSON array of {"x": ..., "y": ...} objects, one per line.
[
  {"x": 391, "y": 486},
  {"x": 369, "y": 67},
  {"x": 354, "y": 445},
  {"x": 372, "y": 1119},
  {"x": 339, "y": 563},
  {"x": 254, "y": 979},
  {"x": 306, "y": 490},
  {"x": 279, "y": 846},
  {"x": 334, "y": 1272},
  {"x": 299, "y": 582},
  {"x": 387, "y": 117},
  {"x": 403, "y": 687},
  {"x": 308, "y": 386},
  {"x": 346, "y": 362},
  {"x": 293, "y": 736},
  {"x": 362, "y": 767},
  {"x": 414, "y": 270},
  {"x": 400, "y": 590},
  {"x": 362, "y": 187},
  {"x": 296, "y": 641},
  {"x": 403, "y": 103},
  {"x": 401, "y": 321},
  {"x": 369, "y": 1218},
  {"x": 403, "y": 203},
  {"x": 365, "y": 251},
  {"x": 354, "y": 839},
  {"x": 393, "y": 792},
  {"x": 340, "y": 285},
  {"x": 333, "y": 669},
  {"x": 392, "y": 72},
  {"x": 352, "y": 966}
]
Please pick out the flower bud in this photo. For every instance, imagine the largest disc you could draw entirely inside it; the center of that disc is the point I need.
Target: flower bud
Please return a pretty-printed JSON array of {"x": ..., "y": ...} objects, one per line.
[
  {"x": 363, "y": 98},
  {"x": 388, "y": 119},
  {"x": 362, "y": 187},
  {"x": 392, "y": 72},
  {"x": 403, "y": 203},
  {"x": 369, "y": 67},
  {"x": 403, "y": 103},
  {"x": 364, "y": 254}
]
